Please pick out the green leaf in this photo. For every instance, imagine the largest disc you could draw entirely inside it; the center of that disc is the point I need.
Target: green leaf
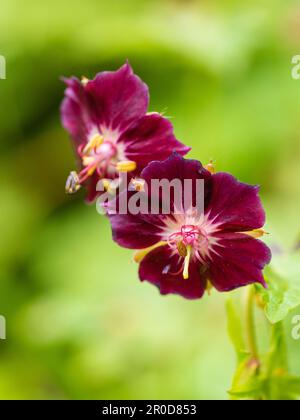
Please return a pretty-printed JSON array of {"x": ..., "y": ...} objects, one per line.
[
  {"x": 265, "y": 377},
  {"x": 283, "y": 292}
]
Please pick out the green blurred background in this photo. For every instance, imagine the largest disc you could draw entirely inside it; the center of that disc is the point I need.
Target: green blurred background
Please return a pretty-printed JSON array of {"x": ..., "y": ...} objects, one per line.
[{"x": 79, "y": 323}]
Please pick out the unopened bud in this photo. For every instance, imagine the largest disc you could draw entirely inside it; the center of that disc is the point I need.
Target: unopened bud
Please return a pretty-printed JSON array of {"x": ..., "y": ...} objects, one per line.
[{"x": 210, "y": 167}]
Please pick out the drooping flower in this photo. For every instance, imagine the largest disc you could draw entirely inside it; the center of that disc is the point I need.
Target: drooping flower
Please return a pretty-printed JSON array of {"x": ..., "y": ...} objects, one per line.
[
  {"x": 188, "y": 252},
  {"x": 111, "y": 130}
]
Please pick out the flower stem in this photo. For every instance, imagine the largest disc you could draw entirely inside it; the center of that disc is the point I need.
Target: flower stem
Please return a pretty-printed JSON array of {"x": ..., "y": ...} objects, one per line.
[{"x": 250, "y": 323}]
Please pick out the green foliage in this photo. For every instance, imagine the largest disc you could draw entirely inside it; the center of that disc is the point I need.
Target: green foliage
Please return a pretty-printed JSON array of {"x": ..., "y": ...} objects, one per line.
[
  {"x": 266, "y": 376},
  {"x": 283, "y": 292}
]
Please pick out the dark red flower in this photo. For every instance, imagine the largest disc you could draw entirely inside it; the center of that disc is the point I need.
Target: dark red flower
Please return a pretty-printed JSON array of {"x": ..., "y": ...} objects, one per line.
[
  {"x": 187, "y": 253},
  {"x": 112, "y": 132}
]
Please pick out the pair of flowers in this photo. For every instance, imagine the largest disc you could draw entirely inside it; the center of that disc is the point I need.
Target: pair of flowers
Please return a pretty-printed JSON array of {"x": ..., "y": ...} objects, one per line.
[{"x": 183, "y": 253}]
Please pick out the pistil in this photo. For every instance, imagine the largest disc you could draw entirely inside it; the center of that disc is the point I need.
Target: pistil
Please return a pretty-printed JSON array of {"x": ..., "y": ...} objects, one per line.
[{"x": 187, "y": 243}]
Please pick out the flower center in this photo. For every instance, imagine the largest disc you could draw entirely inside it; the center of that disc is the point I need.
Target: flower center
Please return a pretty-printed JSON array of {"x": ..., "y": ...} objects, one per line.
[
  {"x": 190, "y": 242},
  {"x": 98, "y": 155},
  {"x": 190, "y": 235}
]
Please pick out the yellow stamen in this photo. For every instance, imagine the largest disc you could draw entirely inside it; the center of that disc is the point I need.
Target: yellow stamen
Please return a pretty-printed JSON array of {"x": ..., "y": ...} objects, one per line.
[
  {"x": 141, "y": 254},
  {"x": 181, "y": 248},
  {"x": 91, "y": 171},
  {"x": 256, "y": 233},
  {"x": 106, "y": 184},
  {"x": 110, "y": 185},
  {"x": 126, "y": 166},
  {"x": 209, "y": 287},
  {"x": 93, "y": 143},
  {"x": 138, "y": 184},
  {"x": 87, "y": 160},
  {"x": 72, "y": 184},
  {"x": 210, "y": 167},
  {"x": 84, "y": 80},
  {"x": 187, "y": 262}
]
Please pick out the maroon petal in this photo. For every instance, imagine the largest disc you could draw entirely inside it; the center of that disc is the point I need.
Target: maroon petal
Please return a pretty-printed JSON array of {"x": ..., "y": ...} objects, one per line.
[
  {"x": 75, "y": 111},
  {"x": 144, "y": 230},
  {"x": 159, "y": 267},
  {"x": 91, "y": 188},
  {"x": 236, "y": 206},
  {"x": 176, "y": 167},
  {"x": 133, "y": 232},
  {"x": 152, "y": 138},
  {"x": 238, "y": 261},
  {"x": 118, "y": 98}
]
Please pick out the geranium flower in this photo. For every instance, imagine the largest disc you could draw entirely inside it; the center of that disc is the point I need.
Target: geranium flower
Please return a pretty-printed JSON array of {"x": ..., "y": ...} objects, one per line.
[
  {"x": 111, "y": 130},
  {"x": 189, "y": 252}
]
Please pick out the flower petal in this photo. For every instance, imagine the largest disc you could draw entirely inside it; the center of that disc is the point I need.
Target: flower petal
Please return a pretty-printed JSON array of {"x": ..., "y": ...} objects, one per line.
[
  {"x": 75, "y": 111},
  {"x": 143, "y": 230},
  {"x": 178, "y": 168},
  {"x": 119, "y": 98},
  {"x": 133, "y": 232},
  {"x": 175, "y": 167},
  {"x": 152, "y": 138},
  {"x": 236, "y": 206},
  {"x": 238, "y": 260},
  {"x": 91, "y": 187},
  {"x": 157, "y": 268}
]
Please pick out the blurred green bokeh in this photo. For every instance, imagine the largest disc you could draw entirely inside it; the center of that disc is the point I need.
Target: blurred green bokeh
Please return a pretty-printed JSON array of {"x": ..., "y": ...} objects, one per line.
[{"x": 79, "y": 323}]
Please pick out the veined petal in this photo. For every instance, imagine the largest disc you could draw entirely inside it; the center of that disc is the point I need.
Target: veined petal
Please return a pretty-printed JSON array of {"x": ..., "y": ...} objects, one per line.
[
  {"x": 133, "y": 232},
  {"x": 175, "y": 167},
  {"x": 75, "y": 111},
  {"x": 152, "y": 138},
  {"x": 108, "y": 104},
  {"x": 179, "y": 169},
  {"x": 164, "y": 269},
  {"x": 234, "y": 205},
  {"x": 217, "y": 246},
  {"x": 119, "y": 98},
  {"x": 238, "y": 260}
]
